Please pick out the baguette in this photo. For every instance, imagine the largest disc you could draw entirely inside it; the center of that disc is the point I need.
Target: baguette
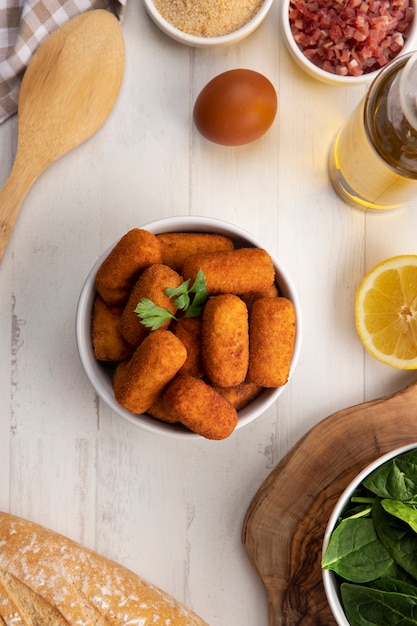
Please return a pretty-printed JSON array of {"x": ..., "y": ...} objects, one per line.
[{"x": 47, "y": 579}]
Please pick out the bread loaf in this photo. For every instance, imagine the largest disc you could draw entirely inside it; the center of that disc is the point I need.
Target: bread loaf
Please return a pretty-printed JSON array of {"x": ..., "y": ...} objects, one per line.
[{"x": 47, "y": 579}]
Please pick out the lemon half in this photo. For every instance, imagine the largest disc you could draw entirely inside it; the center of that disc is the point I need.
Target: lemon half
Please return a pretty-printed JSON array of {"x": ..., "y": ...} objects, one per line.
[{"x": 386, "y": 311}]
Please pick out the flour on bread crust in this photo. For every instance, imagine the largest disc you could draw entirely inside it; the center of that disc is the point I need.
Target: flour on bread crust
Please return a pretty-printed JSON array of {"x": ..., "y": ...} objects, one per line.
[{"x": 48, "y": 579}]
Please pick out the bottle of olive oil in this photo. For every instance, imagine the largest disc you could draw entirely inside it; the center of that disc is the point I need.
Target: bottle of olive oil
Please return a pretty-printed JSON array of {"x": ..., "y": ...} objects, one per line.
[{"x": 373, "y": 160}]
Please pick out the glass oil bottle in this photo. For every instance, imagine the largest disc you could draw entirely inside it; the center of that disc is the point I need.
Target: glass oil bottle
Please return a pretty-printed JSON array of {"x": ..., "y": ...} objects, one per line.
[{"x": 373, "y": 160}]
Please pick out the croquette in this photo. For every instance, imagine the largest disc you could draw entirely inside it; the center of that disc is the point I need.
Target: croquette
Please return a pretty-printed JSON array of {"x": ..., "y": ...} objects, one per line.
[
  {"x": 272, "y": 328},
  {"x": 176, "y": 247},
  {"x": 250, "y": 297},
  {"x": 225, "y": 340},
  {"x": 135, "y": 251},
  {"x": 201, "y": 409},
  {"x": 232, "y": 271},
  {"x": 188, "y": 329},
  {"x": 240, "y": 395},
  {"x": 197, "y": 371},
  {"x": 138, "y": 382},
  {"x": 161, "y": 410},
  {"x": 151, "y": 284},
  {"x": 108, "y": 342}
]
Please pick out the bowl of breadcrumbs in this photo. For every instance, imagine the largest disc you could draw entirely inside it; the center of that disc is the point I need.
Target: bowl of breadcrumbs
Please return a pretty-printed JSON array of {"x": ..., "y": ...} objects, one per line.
[{"x": 208, "y": 23}]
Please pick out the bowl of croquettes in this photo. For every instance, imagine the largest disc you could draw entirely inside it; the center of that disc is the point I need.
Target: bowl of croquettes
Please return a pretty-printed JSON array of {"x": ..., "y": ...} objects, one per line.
[{"x": 188, "y": 327}]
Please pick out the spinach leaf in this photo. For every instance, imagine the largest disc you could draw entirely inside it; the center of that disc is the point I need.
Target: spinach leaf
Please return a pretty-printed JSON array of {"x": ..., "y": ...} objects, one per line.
[
  {"x": 396, "y": 479},
  {"x": 355, "y": 552},
  {"x": 395, "y": 572},
  {"x": 397, "y": 537},
  {"x": 401, "y": 510},
  {"x": 365, "y": 606},
  {"x": 394, "y": 585}
]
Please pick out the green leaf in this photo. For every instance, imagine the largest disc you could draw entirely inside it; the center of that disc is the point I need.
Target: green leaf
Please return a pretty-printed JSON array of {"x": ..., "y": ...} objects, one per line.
[
  {"x": 153, "y": 316},
  {"x": 394, "y": 585},
  {"x": 396, "y": 479},
  {"x": 199, "y": 289},
  {"x": 365, "y": 606},
  {"x": 397, "y": 537},
  {"x": 395, "y": 572},
  {"x": 355, "y": 552},
  {"x": 200, "y": 284},
  {"x": 182, "y": 299},
  {"x": 182, "y": 302},
  {"x": 403, "y": 511}
]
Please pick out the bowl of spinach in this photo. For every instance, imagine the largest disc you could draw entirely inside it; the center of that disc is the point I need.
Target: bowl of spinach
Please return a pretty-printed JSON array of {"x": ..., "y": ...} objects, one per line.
[{"x": 369, "y": 556}]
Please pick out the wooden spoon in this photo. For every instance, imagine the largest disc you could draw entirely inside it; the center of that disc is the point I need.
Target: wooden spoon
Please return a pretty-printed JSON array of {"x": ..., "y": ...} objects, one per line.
[
  {"x": 285, "y": 523},
  {"x": 67, "y": 92}
]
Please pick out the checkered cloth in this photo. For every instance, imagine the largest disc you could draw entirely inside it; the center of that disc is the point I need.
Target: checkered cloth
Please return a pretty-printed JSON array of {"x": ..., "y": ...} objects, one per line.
[{"x": 24, "y": 24}]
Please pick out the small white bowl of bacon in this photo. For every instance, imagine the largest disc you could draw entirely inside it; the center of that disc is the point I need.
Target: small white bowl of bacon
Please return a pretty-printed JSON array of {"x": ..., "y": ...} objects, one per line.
[
  {"x": 188, "y": 327},
  {"x": 347, "y": 43}
]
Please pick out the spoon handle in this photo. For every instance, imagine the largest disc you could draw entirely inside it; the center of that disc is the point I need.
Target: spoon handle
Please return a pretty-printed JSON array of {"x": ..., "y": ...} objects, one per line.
[{"x": 11, "y": 198}]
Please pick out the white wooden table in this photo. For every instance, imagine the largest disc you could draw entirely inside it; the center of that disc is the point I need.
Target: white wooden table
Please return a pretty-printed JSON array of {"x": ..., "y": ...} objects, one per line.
[{"x": 168, "y": 509}]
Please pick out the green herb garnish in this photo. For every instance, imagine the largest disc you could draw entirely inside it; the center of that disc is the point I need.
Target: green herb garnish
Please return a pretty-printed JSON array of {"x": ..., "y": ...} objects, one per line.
[{"x": 188, "y": 300}]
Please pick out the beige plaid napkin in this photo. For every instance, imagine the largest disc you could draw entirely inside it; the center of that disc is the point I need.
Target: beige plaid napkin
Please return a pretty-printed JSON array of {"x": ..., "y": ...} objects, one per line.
[{"x": 24, "y": 24}]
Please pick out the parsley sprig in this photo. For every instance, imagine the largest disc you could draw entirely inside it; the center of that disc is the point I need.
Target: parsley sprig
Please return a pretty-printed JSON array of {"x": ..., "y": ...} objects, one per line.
[{"x": 188, "y": 300}]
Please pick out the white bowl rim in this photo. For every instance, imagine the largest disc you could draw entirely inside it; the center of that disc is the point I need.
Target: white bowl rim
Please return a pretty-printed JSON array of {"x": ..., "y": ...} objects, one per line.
[
  {"x": 83, "y": 317},
  {"x": 195, "y": 40},
  {"x": 327, "y": 77},
  {"x": 328, "y": 576}
]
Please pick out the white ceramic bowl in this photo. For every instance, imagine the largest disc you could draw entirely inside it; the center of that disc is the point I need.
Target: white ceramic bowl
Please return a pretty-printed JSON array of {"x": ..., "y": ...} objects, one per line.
[
  {"x": 322, "y": 75},
  {"x": 100, "y": 376},
  {"x": 207, "y": 42},
  {"x": 331, "y": 586}
]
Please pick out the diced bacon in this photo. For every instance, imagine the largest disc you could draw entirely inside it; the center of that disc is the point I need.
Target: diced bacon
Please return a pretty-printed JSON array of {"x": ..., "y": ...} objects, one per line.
[
  {"x": 341, "y": 70},
  {"x": 359, "y": 36},
  {"x": 397, "y": 42},
  {"x": 350, "y": 37}
]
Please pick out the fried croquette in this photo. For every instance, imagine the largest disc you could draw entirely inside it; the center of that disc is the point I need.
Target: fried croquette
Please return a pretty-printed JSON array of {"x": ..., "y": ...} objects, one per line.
[
  {"x": 176, "y": 247},
  {"x": 240, "y": 395},
  {"x": 119, "y": 271},
  {"x": 201, "y": 409},
  {"x": 225, "y": 340},
  {"x": 250, "y": 297},
  {"x": 108, "y": 342},
  {"x": 162, "y": 411},
  {"x": 188, "y": 329},
  {"x": 151, "y": 284},
  {"x": 272, "y": 328},
  {"x": 232, "y": 271},
  {"x": 138, "y": 382}
]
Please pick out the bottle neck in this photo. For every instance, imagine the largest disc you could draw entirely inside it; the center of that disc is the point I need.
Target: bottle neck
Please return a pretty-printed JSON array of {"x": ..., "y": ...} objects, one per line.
[{"x": 387, "y": 125}]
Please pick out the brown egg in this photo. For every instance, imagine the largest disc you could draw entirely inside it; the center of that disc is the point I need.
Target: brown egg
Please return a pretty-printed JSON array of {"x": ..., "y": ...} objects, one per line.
[{"x": 236, "y": 107}]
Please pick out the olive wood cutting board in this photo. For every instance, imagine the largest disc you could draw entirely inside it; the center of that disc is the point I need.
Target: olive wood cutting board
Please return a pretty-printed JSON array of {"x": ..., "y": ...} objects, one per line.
[{"x": 285, "y": 523}]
